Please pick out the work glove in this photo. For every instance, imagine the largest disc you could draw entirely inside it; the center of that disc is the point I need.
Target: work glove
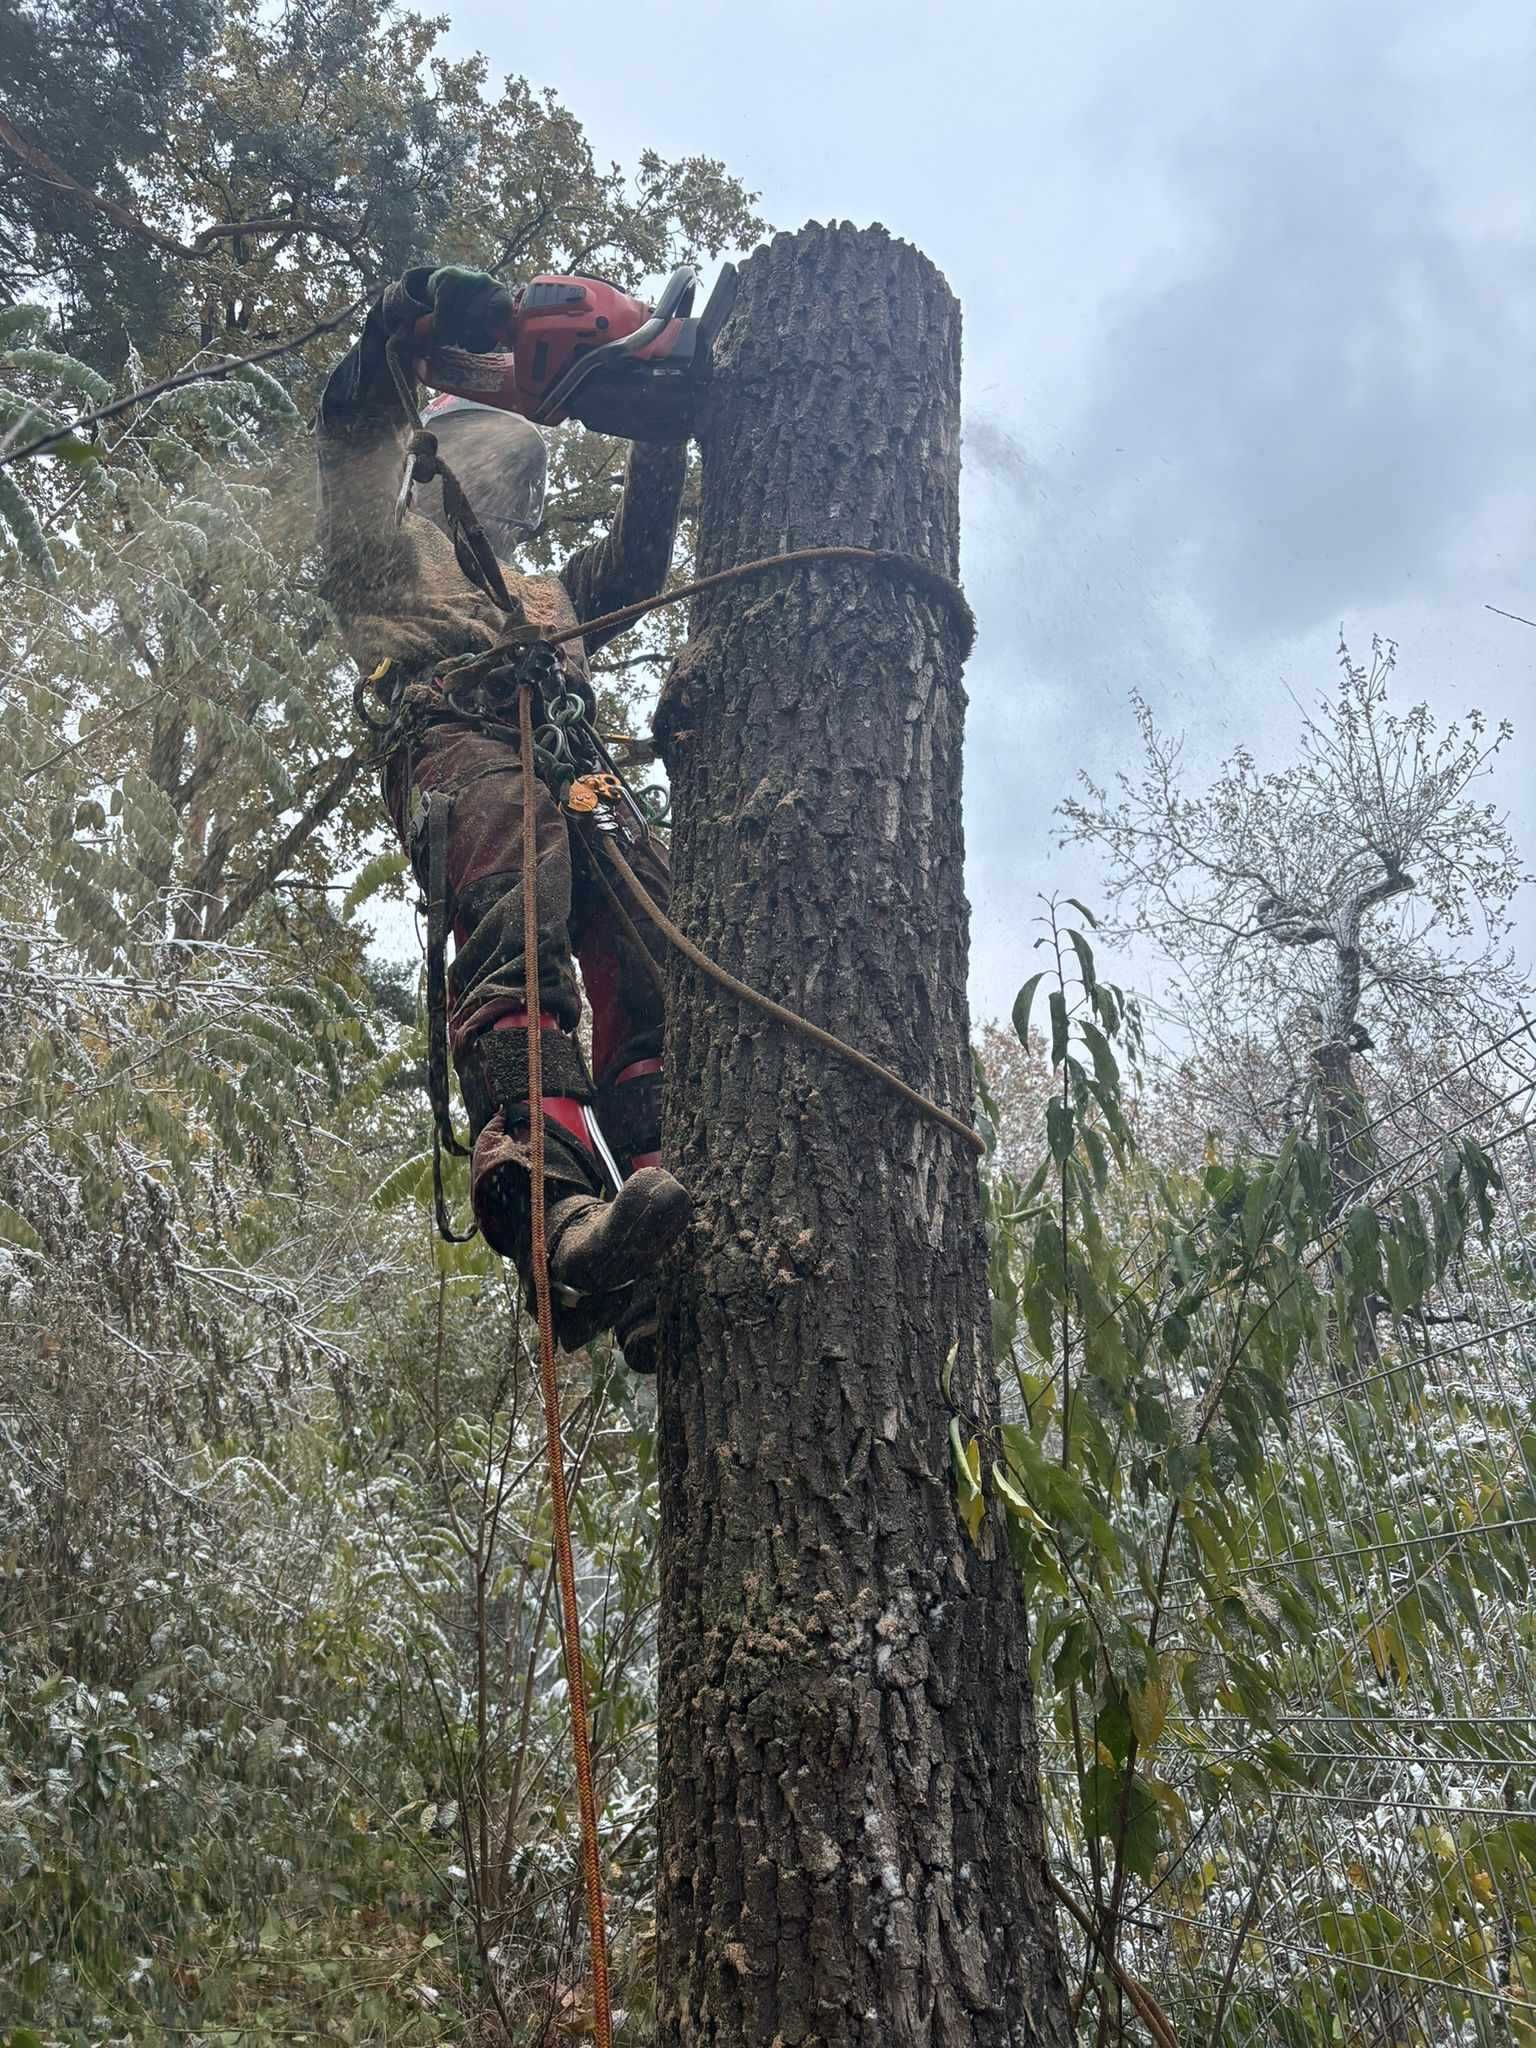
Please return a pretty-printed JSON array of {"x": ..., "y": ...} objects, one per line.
[{"x": 451, "y": 306}]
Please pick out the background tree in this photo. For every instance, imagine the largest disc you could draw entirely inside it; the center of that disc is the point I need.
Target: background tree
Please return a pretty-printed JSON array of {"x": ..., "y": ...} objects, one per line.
[
  {"x": 1277, "y": 1611},
  {"x": 278, "y": 1677},
  {"x": 285, "y": 160},
  {"x": 91, "y": 83},
  {"x": 1018, "y": 1085},
  {"x": 342, "y": 147},
  {"x": 1356, "y": 901}
]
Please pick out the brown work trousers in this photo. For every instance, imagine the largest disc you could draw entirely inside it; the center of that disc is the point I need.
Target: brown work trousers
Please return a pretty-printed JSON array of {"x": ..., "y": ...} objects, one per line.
[{"x": 578, "y": 916}]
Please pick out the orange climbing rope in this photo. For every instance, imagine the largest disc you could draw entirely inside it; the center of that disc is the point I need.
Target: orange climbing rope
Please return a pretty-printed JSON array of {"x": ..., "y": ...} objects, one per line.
[{"x": 570, "y": 1619}]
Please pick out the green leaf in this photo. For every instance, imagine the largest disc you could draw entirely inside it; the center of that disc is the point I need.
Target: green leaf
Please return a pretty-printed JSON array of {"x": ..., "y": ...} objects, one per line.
[
  {"x": 1104, "y": 1793},
  {"x": 411, "y": 1181},
  {"x": 1148, "y": 1706},
  {"x": 1040, "y": 1316},
  {"x": 1257, "y": 1217},
  {"x": 266, "y": 388},
  {"x": 375, "y": 875},
  {"x": 1084, "y": 913},
  {"x": 1015, "y": 1503},
  {"x": 1176, "y": 1335},
  {"x": 15, "y": 1229},
  {"x": 1110, "y": 1006},
  {"x": 22, "y": 323},
  {"x": 1112, "y": 1728},
  {"x": 70, "y": 448},
  {"x": 1084, "y": 952},
  {"x": 1361, "y": 1251},
  {"x": 966, "y": 1460},
  {"x": 32, "y": 543},
  {"x": 1058, "y": 1127},
  {"x": 1105, "y": 1067},
  {"x": 1074, "y": 1656},
  {"x": 1143, "y": 1831},
  {"x": 1058, "y": 1027},
  {"x": 1400, "y": 1288},
  {"x": 1098, "y": 1155},
  {"x": 1101, "y": 1799},
  {"x": 63, "y": 373},
  {"x": 1022, "y": 1003}
]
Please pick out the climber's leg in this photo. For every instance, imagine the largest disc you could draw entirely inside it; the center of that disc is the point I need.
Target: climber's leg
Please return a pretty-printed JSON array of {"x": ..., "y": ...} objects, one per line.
[{"x": 598, "y": 1249}]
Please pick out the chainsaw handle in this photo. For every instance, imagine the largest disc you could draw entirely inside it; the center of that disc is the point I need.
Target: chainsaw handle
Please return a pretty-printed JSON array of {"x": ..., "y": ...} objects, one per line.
[{"x": 489, "y": 380}]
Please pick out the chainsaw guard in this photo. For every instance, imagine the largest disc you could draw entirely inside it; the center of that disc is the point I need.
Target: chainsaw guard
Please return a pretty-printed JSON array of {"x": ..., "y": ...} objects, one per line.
[{"x": 639, "y": 401}]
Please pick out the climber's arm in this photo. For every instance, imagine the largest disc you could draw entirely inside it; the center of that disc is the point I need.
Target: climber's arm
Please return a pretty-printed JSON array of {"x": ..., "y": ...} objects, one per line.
[
  {"x": 632, "y": 559},
  {"x": 363, "y": 426},
  {"x": 360, "y": 446}
]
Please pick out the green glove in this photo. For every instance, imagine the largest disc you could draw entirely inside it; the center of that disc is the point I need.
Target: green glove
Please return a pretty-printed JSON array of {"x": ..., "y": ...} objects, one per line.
[{"x": 471, "y": 309}]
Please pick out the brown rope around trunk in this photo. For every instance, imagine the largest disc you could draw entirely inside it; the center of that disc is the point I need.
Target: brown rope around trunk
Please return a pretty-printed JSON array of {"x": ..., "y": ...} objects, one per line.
[
  {"x": 803, "y": 1025},
  {"x": 570, "y": 1618},
  {"x": 930, "y": 582}
]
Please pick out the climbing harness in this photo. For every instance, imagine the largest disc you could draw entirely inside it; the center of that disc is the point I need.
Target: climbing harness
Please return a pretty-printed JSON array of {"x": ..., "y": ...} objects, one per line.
[{"x": 564, "y": 749}]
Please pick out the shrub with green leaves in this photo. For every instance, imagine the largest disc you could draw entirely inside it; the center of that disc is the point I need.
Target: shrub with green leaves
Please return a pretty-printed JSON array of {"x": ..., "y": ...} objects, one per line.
[{"x": 1256, "y": 1554}]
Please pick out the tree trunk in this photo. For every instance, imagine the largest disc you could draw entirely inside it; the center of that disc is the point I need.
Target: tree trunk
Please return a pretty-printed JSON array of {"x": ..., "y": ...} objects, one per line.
[
  {"x": 1346, "y": 1136},
  {"x": 851, "y": 1841}
]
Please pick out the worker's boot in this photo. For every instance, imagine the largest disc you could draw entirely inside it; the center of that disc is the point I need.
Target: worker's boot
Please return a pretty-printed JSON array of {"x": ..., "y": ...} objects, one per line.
[
  {"x": 602, "y": 1252},
  {"x": 629, "y": 1113}
]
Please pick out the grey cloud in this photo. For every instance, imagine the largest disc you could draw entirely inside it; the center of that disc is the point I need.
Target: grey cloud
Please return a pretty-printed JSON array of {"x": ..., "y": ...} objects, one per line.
[{"x": 1308, "y": 413}]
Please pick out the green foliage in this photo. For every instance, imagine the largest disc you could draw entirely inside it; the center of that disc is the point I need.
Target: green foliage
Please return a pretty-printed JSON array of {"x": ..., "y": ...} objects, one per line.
[
  {"x": 272, "y": 1454},
  {"x": 26, "y": 530},
  {"x": 286, "y": 1748},
  {"x": 343, "y": 142},
  {"x": 91, "y": 83},
  {"x": 1204, "y": 1561}
]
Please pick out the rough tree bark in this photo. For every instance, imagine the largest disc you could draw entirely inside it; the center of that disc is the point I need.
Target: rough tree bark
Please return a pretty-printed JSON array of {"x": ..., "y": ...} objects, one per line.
[{"x": 851, "y": 1841}]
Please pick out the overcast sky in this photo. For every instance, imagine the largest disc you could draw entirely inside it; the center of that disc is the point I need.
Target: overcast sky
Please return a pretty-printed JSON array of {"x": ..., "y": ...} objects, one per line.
[{"x": 1250, "y": 325}]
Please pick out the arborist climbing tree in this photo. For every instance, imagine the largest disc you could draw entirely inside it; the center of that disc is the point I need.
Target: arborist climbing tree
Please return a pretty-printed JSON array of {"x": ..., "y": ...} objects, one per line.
[
  {"x": 454, "y": 647},
  {"x": 851, "y": 1835},
  {"x": 442, "y": 680}
]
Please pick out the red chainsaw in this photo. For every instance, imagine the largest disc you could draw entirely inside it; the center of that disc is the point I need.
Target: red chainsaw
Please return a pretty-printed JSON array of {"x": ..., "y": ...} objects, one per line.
[{"x": 582, "y": 349}]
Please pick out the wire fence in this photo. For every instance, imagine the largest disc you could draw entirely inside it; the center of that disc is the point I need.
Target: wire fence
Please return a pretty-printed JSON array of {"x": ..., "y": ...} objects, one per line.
[{"x": 1363, "y": 1871}]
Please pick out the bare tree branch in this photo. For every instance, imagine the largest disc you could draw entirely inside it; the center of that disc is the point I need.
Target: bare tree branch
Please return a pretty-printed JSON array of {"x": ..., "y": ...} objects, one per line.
[{"x": 297, "y": 835}]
